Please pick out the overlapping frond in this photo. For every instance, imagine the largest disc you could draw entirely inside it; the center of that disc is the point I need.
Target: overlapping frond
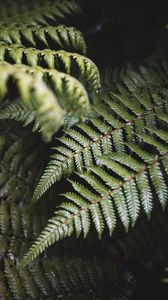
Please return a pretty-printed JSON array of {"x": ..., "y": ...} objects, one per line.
[
  {"x": 68, "y": 62},
  {"x": 115, "y": 149},
  {"x": 39, "y": 12},
  {"x": 35, "y": 95},
  {"x": 121, "y": 118},
  {"x": 51, "y": 95},
  {"x": 33, "y": 87},
  {"x": 43, "y": 37}
]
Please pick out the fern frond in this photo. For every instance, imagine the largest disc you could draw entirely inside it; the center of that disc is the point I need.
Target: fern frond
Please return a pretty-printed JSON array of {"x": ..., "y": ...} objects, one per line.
[
  {"x": 22, "y": 160},
  {"x": 145, "y": 244},
  {"x": 37, "y": 96},
  {"x": 55, "y": 278},
  {"x": 18, "y": 228},
  {"x": 122, "y": 117},
  {"x": 43, "y": 37},
  {"x": 39, "y": 12},
  {"x": 85, "y": 270},
  {"x": 16, "y": 111},
  {"x": 49, "y": 277},
  {"x": 121, "y": 184},
  {"x": 60, "y": 60}
]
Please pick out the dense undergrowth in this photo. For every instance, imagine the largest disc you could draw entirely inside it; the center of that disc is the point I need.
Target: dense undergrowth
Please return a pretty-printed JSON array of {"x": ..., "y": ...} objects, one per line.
[{"x": 84, "y": 150}]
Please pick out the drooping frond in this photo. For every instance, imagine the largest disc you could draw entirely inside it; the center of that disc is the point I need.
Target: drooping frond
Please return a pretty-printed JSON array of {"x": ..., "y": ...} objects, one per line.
[
  {"x": 68, "y": 62},
  {"x": 22, "y": 159},
  {"x": 121, "y": 118},
  {"x": 31, "y": 86},
  {"x": 131, "y": 173},
  {"x": 35, "y": 95},
  {"x": 43, "y": 37},
  {"x": 39, "y": 12},
  {"x": 124, "y": 183}
]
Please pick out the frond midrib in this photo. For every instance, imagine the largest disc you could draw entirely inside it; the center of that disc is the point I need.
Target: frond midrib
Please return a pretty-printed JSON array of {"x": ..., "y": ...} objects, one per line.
[
  {"x": 96, "y": 141},
  {"x": 45, "y": 236}
]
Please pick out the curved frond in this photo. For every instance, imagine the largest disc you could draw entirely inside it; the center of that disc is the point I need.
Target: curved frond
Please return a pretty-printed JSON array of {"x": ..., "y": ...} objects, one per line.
[
  {"x": 60, "y": 60},
  {"x": 43, "y": 37},
  {"x": 35, "y": 95},
  {"x": 39, "y": 12},
  {"x": 31, "y": 87}
]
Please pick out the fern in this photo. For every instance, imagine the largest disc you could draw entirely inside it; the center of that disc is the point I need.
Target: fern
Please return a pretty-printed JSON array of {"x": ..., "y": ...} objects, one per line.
[
  {"x": 127, "y": 195},
  {"x": 39, "y": 12},
  {"x": 49, "y": 112},
  {"x": 44, "y": 279},
  {"x": 17, "y": 112},
  {"x": 55, "y": 278},
  {"x": 34, "y": 89},
  {"x": 126, "y": 191},
  {"x": 71, "y": 93},
  {"x": 131, "y": 169},
  {"x": 21, "y": 163},
  {"x": 18, "y": 228},
  {"x": 84, "y": 271},
  {"x": 43, "y": 37},
  {"x": 16, "y": 48},
  {"x": 121, "y": 118},
  {"x": 71, "y": 265},
  {"x": 52, "y": 60},
  {"x": 109, "y": 146},
  {"x": 48, "y": 277}
]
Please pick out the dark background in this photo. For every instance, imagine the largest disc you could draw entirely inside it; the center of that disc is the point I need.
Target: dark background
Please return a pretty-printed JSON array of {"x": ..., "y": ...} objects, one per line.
[{"x": 122, "y": 30}]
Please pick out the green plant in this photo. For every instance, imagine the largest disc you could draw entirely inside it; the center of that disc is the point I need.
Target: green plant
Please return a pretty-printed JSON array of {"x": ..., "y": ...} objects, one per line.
[
  {"x": 123, "y": 158},
  {"x": 104, "y": 140}
]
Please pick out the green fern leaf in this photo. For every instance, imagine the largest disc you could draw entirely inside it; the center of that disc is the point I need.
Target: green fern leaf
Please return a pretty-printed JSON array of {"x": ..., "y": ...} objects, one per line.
[
  {"x": 36, "y": 95},
  {"x": 17, "y": 112},
  {"x": 51, "y": 37},
  {"x": 60, "y": 60},
  {"x": 21, "y": 163},
  {"x": 121, "y": 182},
  {"x": 121, "y": 119},
  {"x": 18, "y": 229},
  {"x": 39, "y": 12}
]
